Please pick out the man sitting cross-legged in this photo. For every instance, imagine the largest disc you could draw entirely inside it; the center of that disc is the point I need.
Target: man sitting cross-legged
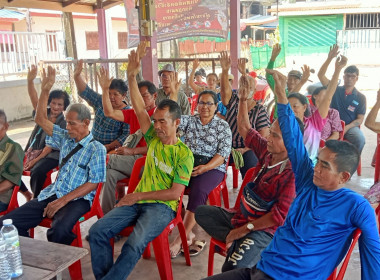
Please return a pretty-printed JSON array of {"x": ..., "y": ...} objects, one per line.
[
  {"x": 318, "y": 229},
  {"x": 264, "y": 202},
  {"x": 152, "y": 206},
  {"x": 81, "y": 168},
  {"x": 120, "y": 165}
]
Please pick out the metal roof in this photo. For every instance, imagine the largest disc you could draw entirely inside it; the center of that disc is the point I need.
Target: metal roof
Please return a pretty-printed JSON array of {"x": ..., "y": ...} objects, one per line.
[{"x": 9, "y": 15}]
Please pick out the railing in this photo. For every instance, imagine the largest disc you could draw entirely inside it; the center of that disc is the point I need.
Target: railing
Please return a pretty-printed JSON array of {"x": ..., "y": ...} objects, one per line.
[
  {"x": 117, "y": 69},
  {"x": 18, "y": 50},
  {"x": 359, "y": 39}
]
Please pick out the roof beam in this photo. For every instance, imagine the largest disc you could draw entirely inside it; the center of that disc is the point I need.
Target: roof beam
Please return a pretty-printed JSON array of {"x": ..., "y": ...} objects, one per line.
[
  {"x": 107, "y": 4},
  {"x": 48, "y": 5},
  {"x": 69, "y": 2}
]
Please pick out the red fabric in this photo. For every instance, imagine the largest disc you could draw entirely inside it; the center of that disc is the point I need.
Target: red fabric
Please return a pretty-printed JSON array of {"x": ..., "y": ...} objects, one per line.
[
  {"x": 131, "y": 119},
  {"x": 270, "y": 185}
]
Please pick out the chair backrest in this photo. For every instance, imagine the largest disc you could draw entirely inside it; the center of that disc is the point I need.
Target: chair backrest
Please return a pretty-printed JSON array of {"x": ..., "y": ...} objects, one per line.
[
  {"x": 194, "y": 103},
  {"x": 246, "y": 180},
  {"x": 343, "y": 268},
  {"x": 135, "y": 175}
]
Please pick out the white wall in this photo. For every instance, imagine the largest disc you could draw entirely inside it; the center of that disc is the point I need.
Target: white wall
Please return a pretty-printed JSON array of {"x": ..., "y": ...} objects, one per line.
[{"x": 15, "y": 100}]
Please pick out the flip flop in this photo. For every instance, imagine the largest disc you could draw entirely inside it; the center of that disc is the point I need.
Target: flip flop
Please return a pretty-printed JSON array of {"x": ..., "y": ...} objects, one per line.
[{"x": 197, "y": 247}]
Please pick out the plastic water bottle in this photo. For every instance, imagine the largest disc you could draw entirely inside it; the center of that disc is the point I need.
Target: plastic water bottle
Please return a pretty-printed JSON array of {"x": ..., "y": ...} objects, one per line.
[
  {"x": 13, "y": 247},
  {"x": 5, "y": 273}
]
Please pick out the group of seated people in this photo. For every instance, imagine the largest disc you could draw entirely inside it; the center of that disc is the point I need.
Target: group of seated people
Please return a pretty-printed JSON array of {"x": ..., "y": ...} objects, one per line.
[{"x": 294, "y": 213}]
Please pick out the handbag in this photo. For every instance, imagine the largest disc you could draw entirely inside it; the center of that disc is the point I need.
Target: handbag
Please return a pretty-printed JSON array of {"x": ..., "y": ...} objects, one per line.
[
  {"x": 373, "y": 195},
  {"x": 31, "y": 154},
  {"x": 201, "y": 160}
]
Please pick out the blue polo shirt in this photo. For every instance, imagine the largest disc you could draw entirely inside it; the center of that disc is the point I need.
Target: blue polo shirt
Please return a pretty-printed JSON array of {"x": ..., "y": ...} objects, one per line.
[{"x": 349, "y": 106}]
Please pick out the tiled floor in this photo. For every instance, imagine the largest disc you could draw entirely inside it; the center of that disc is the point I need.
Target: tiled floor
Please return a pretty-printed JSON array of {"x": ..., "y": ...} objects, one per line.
[{"x": 147, "y": 269}]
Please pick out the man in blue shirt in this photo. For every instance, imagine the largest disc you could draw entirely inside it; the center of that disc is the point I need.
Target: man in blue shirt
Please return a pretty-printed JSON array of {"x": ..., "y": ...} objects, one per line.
[
  {"x": 109, "y": 132},
  {"x": 350, "y": 103},
  {"x": 318, "y": 229},
  {"x": 70, "y": 197}
]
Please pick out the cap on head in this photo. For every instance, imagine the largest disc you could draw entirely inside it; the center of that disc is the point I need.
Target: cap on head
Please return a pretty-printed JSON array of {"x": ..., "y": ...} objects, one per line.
[
  {"x": 295, "y": 73},
  {"x": 167, "y": 68}
]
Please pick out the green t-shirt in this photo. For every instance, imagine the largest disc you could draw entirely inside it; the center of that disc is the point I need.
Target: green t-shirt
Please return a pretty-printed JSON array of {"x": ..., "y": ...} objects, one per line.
[{"x": 165, "y": 165}]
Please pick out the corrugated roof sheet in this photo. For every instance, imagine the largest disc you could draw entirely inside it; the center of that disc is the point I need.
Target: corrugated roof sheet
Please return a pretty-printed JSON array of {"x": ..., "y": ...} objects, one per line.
[{"x": 9, "y": 14}]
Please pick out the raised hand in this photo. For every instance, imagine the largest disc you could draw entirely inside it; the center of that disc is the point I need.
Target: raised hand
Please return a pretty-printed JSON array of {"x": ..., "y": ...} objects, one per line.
[
  {"x": 195, "y": 64},
  {"x": 305, "y": 72},
  {"x": 241, "y": 66},
  {"x": 32, "y": 73},
  {"x": 275, "y": 51},
  {"x": 141, "y": 49},
  {"x": 341, "y": 62},
  {"x": 174, "y": 82},
  {"x": 243, "y": 88},
  {"x": 334, "y": 51},
  {"x": 225, "y": 61},
  {"x": 103, "y": 77},
  {"x": 133, "y": 64},
  {"x": 48, "y": 79},
  {"x": 378, "y": 96},
  {"x": 78, "y": 68},
  {"x": 280, "y": 85}
]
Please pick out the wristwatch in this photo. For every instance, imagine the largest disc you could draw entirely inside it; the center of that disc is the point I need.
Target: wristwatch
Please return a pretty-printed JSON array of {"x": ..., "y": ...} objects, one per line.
[{"x": 250, "y": 226}]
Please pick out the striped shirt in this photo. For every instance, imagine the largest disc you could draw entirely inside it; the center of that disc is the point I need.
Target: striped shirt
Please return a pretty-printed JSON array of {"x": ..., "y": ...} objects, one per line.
[
  {"x": 86, "y": 165},
  {"x": 258, "y": 117},
  {"x": 105, "y": 130}
]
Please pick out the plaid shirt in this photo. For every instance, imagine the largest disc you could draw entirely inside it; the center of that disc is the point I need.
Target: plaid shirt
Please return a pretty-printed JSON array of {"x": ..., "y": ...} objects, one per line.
[
  {"x": 105, "y": 130},
  {"x": 271, "y": 184},
  {"x": 86, "y": 165}
]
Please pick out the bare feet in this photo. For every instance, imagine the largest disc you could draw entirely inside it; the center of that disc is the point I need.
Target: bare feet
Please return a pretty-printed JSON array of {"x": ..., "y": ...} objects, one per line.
[
  {"x": 28, "y": 195},
  {"x": 175, "y": 250},
  {"x": 190, "y": 238}
]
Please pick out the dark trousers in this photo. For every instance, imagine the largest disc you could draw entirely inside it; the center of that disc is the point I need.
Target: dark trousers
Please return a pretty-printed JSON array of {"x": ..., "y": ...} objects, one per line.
[
  {"x": 242, "y": 274},
  {"x": 30, "y": 215},
  {"x": 250, "y": 160},
  {"x": 245, "y": 251},
  {"x": 38, "y": 175}
]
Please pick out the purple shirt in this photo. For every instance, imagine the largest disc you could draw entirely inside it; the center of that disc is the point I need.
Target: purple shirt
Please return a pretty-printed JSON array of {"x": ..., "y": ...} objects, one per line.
[{"x": 333, "y": 122}]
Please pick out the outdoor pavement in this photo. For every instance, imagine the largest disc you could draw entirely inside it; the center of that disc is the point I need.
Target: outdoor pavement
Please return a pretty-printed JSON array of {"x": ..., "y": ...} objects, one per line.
[{"x": 147, "y": 269}]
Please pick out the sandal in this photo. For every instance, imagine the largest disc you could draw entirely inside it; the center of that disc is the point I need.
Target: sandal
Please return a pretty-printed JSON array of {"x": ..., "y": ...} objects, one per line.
[{"x": 197, "y": 247}]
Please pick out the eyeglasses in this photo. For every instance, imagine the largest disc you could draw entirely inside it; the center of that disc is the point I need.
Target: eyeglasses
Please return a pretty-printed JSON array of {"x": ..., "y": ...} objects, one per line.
[
  {"x": 350, "y": 76},
  {"x": 208, "y": 104}
]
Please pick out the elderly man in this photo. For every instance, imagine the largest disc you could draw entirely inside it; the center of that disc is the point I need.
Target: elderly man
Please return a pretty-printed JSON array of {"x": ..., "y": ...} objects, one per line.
[
  {"x": 11, "y": 157},
  {"x": 81, "y": 168},
  {"x": 250, "y": 229},
  {"x": 323, "y": 216},
  {"x": 107, "y": 131},
  {"x": 350, "y": 103},
  {"x": 153, "y": 205},
  {"x": 171, "y": 89}
]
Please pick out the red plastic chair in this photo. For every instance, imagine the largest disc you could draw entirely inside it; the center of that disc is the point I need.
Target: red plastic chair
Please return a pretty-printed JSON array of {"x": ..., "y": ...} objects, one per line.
[
  {"x": 13, "y": 203},
  {"x": 161, "y": 242},
  {"x": 235, "y": 176},
  {"x": 48, "y": 180},
  {"x": 343, "y": 268},
  {"x": 221, "y": 245},
  {"x": 194, "y": 103},
  {"x": 96, "y": 210}
]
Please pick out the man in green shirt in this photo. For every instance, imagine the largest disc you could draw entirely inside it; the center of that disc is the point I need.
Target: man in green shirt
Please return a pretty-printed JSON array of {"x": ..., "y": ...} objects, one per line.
[
  {"x": 153, "y": 204},
  {"x": 11, "y": 158},
  {"x": 295, "y": 81}
]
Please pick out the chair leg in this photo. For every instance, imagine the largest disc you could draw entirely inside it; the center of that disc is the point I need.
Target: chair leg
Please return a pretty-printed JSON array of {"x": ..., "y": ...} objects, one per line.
[
  {"x": 235, "y": 177},
  {"x": 182, "y": 234},
  {"x": 214, "y": 197},
  {"x": 210, "y": 270},
  {"x": 225, "y": 196},
  {"x": 146, "y": 254},
  {"x": 162, "y": 253},
  {"x": 359, "y": 170},
  {"x": 76, "y": 271}
]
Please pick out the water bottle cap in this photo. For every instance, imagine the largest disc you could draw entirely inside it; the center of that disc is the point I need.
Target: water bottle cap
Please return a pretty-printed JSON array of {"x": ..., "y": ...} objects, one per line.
[{"x": 7, "y": 222}]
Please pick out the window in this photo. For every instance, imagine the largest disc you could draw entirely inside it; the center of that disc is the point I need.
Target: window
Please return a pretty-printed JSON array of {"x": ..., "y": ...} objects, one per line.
[
  {"x": 363, "y": 21},
  {"x": 92, "y": 40},
  {"x": 122, "y": 38}
]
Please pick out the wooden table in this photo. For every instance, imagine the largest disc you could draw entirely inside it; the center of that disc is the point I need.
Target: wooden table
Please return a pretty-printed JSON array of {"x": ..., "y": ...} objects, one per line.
[{"x": 44, "y": 260}]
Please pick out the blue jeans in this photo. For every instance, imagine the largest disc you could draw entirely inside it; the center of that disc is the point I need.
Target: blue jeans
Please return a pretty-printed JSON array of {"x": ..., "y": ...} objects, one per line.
[
  {"x": 355, "y": 136},
  {"x": 150, "y": 219}
]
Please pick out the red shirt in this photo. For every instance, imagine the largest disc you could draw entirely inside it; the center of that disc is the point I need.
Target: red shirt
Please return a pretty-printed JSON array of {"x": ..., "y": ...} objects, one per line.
[
  {"x": 270, "y": 186},
  {"x": 131, "y": 119}
]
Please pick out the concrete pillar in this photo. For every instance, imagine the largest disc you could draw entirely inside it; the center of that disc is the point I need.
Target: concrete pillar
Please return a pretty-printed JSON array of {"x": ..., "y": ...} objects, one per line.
[
  {"x": 150, "y": 61},
  {"x": 102, "y": 30},
  {"x": 235, "y": 39}
]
